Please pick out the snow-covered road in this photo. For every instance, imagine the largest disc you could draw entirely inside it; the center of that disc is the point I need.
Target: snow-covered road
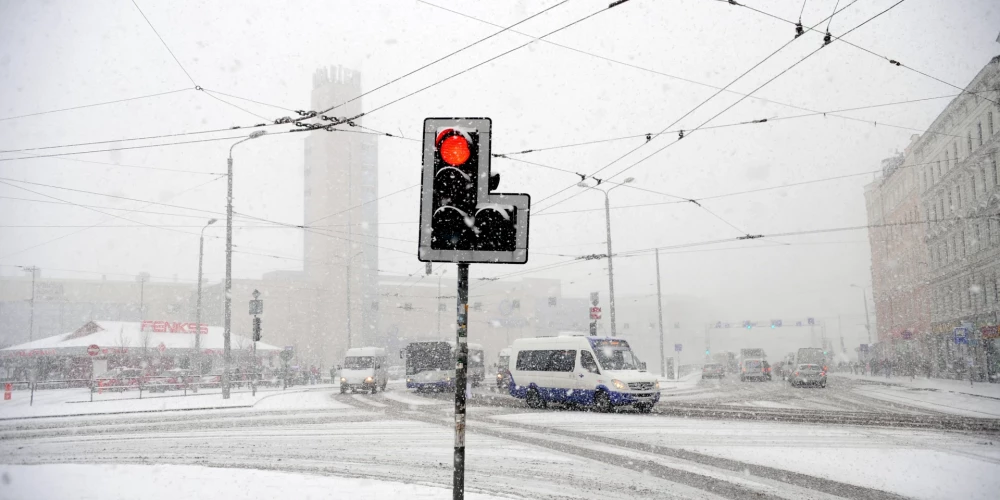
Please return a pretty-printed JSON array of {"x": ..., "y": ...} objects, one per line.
[{"x": 550, "y": 454}]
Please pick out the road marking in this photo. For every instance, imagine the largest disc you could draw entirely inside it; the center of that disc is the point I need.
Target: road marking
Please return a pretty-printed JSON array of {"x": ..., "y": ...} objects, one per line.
[{"x": 367, "y": 401}]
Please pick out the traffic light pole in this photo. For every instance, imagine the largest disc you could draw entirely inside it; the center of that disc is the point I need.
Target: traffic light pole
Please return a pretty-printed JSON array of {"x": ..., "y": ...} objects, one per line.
[{"x": 461, "y": 368}]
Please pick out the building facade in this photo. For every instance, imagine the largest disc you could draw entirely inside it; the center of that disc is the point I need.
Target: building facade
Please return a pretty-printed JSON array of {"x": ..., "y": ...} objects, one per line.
[
  {"x": 943, "y": 272},
  {"x": 899, "y": 261}
]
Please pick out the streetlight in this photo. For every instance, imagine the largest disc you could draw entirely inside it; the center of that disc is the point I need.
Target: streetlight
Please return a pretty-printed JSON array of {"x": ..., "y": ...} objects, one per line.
[
  {"x": 228, "y": 315},
  {"x": 611, "y": 269},
  {"x": 197, "y": 337},
  {"x": 868, "y": 326},
  {"x": 348, "y": 280}
]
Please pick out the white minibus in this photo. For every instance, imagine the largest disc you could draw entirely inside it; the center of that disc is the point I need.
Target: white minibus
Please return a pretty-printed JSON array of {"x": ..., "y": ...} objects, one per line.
[
  {"x": 364, "y": 368},
  {"x": 601, "y": 372}
]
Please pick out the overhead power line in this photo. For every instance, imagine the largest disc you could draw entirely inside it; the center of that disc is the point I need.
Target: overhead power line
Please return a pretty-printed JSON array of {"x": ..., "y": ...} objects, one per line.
[
  {"x": 487, "y": 61},
  {"x": 127, "y": 99},
  {"x": 398, "y": 78},
  {"x": 671, "y": 125},
  {"x": 164, "y": 43},
  {"x": 892, "y": 61}
]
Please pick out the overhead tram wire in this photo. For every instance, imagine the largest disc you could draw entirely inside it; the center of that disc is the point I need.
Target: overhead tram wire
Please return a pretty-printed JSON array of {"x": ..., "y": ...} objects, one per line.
[
  {"x": 702, "y": 103},
  {"x": 127, "y": 99},
  {"x": 487, "y": 61},
  {"x": 398, "y": 78},
  {"x": 892, "y": 61},
  {"x": 210, "y": 91},
  {"x": 143, "y": 14},
  {"x": 727, "y": 108},
  {"x": 509, "y": 155},
  {"x": 95, "y": 225},
  {"x": 619, "y": 62}
]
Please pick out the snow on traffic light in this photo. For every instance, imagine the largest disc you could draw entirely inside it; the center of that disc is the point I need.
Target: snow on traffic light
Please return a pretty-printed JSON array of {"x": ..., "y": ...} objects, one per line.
[{"x": 460, "y": 219}]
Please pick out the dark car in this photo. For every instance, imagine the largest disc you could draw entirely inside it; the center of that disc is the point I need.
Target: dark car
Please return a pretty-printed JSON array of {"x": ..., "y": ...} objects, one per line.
[
  {"x": 713, "y": 370},
  {"x": 808, "y": 374}
]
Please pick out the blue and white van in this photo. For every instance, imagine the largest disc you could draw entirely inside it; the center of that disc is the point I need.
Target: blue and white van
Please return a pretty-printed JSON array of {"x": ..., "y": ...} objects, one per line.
[{"x": 601, "y": 372}]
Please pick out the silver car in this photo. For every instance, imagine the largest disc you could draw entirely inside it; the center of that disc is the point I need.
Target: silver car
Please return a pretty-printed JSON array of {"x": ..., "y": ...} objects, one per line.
[{"x": 807, "y": 374}]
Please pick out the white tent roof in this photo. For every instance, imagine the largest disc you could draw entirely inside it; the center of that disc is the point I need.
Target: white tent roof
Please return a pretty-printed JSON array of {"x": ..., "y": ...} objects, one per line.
[{"x": 113, "y": 337}]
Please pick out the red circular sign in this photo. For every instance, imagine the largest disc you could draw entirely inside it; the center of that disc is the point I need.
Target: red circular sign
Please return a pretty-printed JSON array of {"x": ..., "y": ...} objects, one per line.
[{"x": 93, "y": 350}]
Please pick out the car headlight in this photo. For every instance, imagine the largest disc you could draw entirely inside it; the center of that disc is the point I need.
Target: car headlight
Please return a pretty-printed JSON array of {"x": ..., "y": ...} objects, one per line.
[
  {"x": 368, "y": 379},
  {"x": 618, "y": 384},
  {"x": 409, "y": 380},
  {"x": 499, "y": 376},
  {"x": 342, "y": 379},
  {"x": 447, "y": 379},
  {"x": 656, "y": 385}
]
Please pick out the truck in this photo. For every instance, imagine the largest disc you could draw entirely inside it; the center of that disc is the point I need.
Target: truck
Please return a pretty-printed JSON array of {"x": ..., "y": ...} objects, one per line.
[{"x": 753, "y": 364}]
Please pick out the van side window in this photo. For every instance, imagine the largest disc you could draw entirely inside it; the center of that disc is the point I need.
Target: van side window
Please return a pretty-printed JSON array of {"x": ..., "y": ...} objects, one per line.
[
  {"x": 588, "y": 363},
  {"x": 562, "y": 361},
  {"x": 532, "y": 361}
]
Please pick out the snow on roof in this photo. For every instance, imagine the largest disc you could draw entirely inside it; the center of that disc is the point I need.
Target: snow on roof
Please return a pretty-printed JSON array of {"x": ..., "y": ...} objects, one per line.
[
  {"x": 365, "y": 351},
  {"x": 119, "y": 335}
]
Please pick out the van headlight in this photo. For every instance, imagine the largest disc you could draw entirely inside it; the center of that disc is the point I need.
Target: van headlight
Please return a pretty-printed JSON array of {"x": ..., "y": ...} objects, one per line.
[
  {"x": 499, "y": 376},
  {"x": 369, "y": 379},
  {"x": 656, "y": 385},
  {"x": 619, "y": 384},
  {"x": 342, "y": 379}
]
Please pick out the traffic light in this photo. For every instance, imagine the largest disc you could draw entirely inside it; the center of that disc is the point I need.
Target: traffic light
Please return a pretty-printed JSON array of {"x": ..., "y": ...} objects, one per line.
[
  {"x": 460, "y": 219},
  {"x": 256, "y": 329}
]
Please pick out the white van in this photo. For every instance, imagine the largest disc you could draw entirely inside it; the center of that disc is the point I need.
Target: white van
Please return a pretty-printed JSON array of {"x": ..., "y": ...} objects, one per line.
[
  {"x": 601, "y": 372},
  {"x": 364, "y": 368}
]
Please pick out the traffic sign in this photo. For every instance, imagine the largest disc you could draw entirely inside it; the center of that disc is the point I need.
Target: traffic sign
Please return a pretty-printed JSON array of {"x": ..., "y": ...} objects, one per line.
[
  {"x": 256, "y": 307},
  {"x": 961, "y": 335},
  {"x": 678, "y": 347},
  {"x": 595, "y": 312},
  {"x": 594, "y": 298},
  {"x": 93, "y": 350},
  {"x": 461, "y": 219}
]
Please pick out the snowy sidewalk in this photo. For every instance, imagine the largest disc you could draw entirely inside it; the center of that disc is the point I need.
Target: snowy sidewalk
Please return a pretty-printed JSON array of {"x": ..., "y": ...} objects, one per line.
[
  {"x": 948, "y": 396},
  {"x": 982, "y": 389},
  {"x": 75, "y": 402}
]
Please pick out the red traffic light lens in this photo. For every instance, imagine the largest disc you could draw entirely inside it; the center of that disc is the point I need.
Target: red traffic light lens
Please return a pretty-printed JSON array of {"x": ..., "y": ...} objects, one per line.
[{"x": 454, "y": 150}]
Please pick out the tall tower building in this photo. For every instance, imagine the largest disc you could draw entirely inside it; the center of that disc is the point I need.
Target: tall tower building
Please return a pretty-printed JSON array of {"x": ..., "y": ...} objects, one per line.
[{"x": 340, "y": 189}]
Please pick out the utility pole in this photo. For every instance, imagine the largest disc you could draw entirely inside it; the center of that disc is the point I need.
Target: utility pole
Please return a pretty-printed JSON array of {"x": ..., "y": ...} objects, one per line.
[
  {"x": 31, "y": 322},
  {"x": 348, "y": 280},
  {"x": 197, "y": 337},
  {"x": 659, "y": 311},
  {"x": 227, "y": 299},
  {"x": 142, "y": 300}
]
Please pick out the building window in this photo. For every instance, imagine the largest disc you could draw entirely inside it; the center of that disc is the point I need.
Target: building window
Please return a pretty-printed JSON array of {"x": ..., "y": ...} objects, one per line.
[
  {"x": 515, "y": 304},
  {"x": 972, "y": 184},
  {"x": 968, "y": 139},
  {"x": 989, "y": 123},
  {"x": 947, "y": 161},
  {"x": 552, "y": 301},
  {"x": 993, "y": 160},
  {"x": 979, "y": 127}
]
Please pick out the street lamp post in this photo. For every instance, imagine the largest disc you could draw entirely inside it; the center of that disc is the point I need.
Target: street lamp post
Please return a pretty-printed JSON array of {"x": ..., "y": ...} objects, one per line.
[
  {"x": 348, "y": 281},
  {"x": 197, "y": 337},
  {"x": 611, "y": 268},
  {"x": 228, "y": 310}
]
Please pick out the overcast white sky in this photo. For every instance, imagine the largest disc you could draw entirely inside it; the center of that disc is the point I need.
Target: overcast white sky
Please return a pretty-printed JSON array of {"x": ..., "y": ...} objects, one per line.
[{"x": 66, "y": 53}]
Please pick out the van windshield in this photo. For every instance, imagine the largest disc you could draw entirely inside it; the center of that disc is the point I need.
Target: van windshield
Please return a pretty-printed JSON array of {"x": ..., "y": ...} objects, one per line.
[
  {"x": 616, "y": 359},
  {"x": 357, "y": 362}
]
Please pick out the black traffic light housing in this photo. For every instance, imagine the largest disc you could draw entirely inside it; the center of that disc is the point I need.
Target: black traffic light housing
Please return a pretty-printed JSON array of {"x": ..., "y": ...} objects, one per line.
[{"x": 461, "y": 220}]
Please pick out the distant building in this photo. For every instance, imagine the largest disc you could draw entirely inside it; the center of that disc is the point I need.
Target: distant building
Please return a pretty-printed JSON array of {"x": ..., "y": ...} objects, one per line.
[{"x": 340, "y": 188}]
